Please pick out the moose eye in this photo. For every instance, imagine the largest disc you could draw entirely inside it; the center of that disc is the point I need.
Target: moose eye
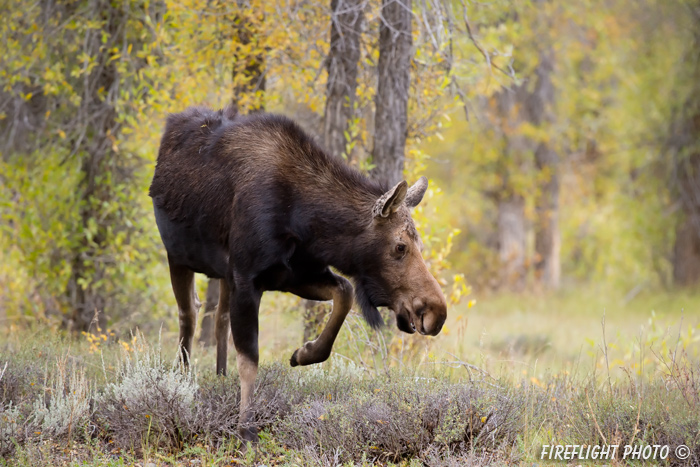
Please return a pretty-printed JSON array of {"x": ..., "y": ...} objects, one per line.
[{"x": 401, "y": 248}]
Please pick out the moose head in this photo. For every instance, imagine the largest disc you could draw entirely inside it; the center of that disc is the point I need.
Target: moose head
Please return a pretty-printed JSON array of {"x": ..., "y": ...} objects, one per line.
[{"x": 392, "y": 272}]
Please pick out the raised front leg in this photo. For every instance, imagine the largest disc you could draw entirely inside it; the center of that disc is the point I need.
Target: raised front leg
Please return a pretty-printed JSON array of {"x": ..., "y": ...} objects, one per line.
[
  {"x": 223, "y": 327},
  {"x": 244, "y": 305},
  {"x": 182, "y": 279},
  {"x": 329, "y": 287}
]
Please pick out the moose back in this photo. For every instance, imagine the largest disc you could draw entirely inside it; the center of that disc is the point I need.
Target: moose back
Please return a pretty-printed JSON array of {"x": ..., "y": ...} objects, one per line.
[{"x": 255, "y": 202}]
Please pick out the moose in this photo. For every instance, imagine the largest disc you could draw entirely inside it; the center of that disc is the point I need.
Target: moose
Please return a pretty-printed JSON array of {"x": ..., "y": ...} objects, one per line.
[{"x": 255, "y": 202}]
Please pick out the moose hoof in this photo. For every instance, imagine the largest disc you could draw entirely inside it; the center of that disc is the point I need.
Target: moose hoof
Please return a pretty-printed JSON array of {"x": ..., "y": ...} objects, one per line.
[
  {"x": 302, "y": 354},
  {"x": 248, "y": 435},
  {"x": 308, "y": 355},
  {"x": 293, "y": 361}
]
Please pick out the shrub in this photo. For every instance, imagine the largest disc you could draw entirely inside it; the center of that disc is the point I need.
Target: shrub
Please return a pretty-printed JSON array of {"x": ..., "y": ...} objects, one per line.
[
  {"x": 337, "y": 412},
  {"x": 150, "y": 402},
  {"x": 18, "y": 383},
  {"x": 216, "y": 409},
  {"x": 18, "y": 389},
  {"x": 12, "y": 422},
  {"x": 398, "y": 417},
  {"x": 155, "y": 403},
  {"x": 65, "y": 411}
]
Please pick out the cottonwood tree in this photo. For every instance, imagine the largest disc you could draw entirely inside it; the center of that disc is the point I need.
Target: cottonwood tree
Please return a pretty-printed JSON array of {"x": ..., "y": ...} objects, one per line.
[
  {"x": 248, "y": 79},
  {"x": 99, "y": 158},
  {"x": 393, "y": 85},
  {"x": 90, "y": 85},
  {"x": 347, "y": 18},
  {"x": 531, "y": 104},
  {"x": 82, "y": 65},
  {"x": 524, "y": 115},
  {"x": 508, "y": 194},
  {"x": 684, "y": 143},
  {"x": 547, "y": 263}
]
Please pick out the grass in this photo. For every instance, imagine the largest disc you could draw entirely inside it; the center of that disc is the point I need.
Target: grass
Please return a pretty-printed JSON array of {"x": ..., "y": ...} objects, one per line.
[
  {"x": 506, "y": 376},
  {"x": 515, "y": 333}
]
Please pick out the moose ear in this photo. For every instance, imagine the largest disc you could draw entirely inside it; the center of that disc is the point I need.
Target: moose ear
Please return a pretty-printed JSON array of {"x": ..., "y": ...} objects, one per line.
[
  {"x": 390, "y": 201},
  {"x": 416, "y": 192}
]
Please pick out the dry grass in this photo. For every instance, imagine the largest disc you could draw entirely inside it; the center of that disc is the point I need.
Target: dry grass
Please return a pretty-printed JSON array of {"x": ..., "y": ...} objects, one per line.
[
  {"x": 147, "y": 406},
  {"x": 379, "y": 400}
]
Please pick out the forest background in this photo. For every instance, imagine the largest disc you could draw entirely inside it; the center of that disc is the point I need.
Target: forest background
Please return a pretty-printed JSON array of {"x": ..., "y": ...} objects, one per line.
[
  {"x": 561, "y": 139},
  {"x": 562, "y": 145}
]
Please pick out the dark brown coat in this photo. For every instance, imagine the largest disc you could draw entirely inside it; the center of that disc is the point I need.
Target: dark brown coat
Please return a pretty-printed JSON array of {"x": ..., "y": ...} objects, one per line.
[{"x": 254, "y": 201}]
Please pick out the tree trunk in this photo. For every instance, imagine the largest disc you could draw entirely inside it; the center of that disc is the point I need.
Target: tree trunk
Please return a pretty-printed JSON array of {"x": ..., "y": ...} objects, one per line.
[
  {"x": 507, "y": 107},
  {"x": 530, "y": 104},
  {"x": 207, "y": 334},
  {"x": 346, "y": 23},
  {"x": 686, "y": 250},
  {"x": 511, "y": 241},
  {"x": 85, "y": 295},
  {"x": 249, "y": 83},
  {"x": 394, "y": 68},
  {"x": 343, "y": 56},
  {"x": 514, "y": 108},
  {"x": 686, "y": 253},
  {"x": 248, "y": 69},
  {"x": 547, "y": 239},
  {"x": 684, "y": 142}
]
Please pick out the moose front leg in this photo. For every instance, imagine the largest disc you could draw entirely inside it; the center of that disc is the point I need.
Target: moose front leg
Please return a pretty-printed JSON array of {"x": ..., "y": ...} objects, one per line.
[
  {"x": 244, "y": 305},
  {"x": 331, "y": 287}
]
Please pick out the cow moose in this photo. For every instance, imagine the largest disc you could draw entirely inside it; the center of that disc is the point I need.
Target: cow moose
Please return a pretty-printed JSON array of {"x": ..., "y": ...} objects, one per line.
[{"x": 255, "y": 202}]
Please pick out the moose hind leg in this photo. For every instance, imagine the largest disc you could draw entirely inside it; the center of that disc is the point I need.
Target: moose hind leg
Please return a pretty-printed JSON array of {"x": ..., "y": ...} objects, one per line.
[
  {"x": 223, "y": 327},
  {"x": 340, "y": 291},
  {"x": 182, "y": 279}
]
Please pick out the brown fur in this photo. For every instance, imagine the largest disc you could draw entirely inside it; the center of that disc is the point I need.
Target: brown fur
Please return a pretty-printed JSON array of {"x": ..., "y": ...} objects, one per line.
[{"x": 255, "y": 202}]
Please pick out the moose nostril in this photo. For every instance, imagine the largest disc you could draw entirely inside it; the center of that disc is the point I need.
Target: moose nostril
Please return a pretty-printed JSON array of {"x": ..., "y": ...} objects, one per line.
[
  {"x": 432, "y": 323},
  {"x": 441, "y": 322}
]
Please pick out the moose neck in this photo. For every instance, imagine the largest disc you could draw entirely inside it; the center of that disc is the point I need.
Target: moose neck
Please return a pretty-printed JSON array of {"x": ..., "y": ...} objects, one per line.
[
  {"x": 339, "y": 221},
  {"x": 335, "y": 205}
]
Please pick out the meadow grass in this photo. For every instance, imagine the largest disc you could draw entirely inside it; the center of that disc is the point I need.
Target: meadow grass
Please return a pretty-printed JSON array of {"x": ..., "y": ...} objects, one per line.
[
  {"x": 505, "y": 377},
  {"x": 566, "y": 331}
]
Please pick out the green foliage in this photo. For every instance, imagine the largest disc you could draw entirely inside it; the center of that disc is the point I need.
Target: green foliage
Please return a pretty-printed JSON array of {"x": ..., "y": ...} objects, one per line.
[
  {"x": 74, "y": 217},
  {"x": 166, "y": 56},
  {"x": 620, "y": 74},
  {"x": 620, "y": 77},
  {"x": 74, "y": 221}
]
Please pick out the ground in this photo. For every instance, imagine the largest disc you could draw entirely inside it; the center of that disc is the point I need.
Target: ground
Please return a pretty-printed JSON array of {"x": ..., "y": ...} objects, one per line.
[{"x": 506, "y": 377}]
